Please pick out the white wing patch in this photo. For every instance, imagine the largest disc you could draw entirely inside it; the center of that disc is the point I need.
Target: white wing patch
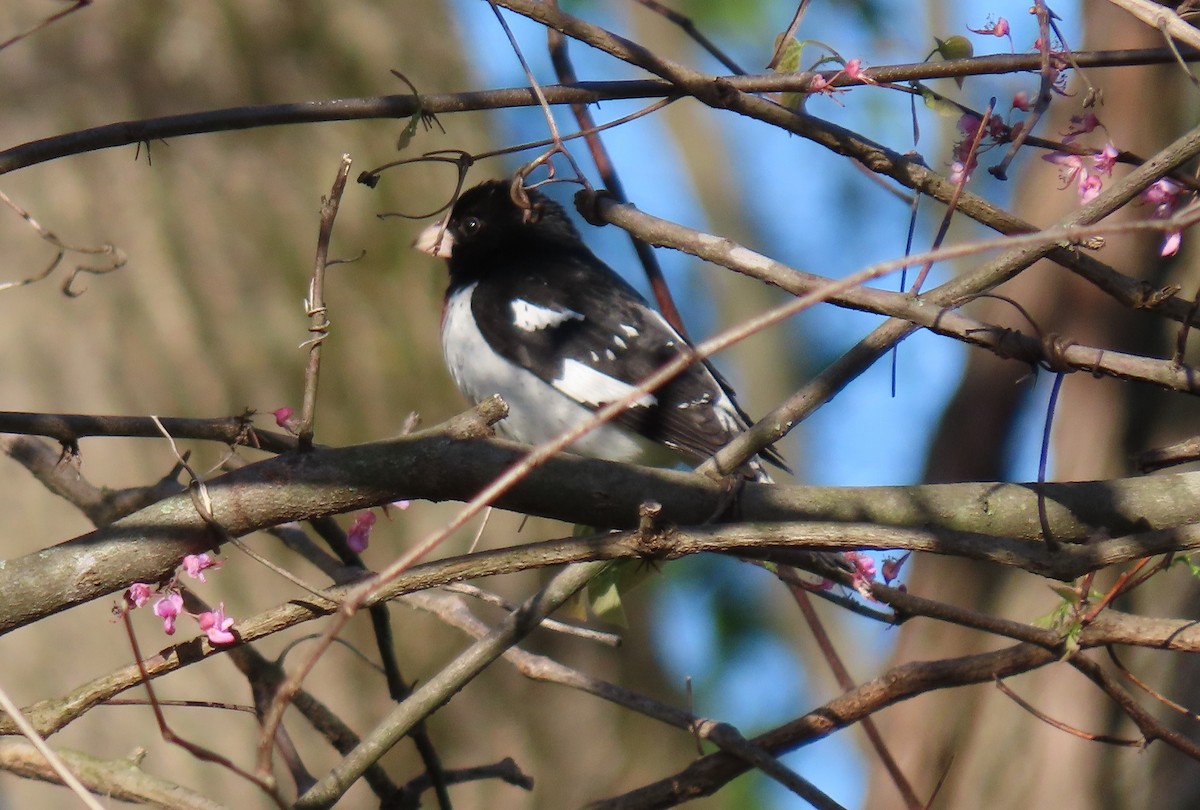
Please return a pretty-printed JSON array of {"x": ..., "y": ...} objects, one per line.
[
  {"x": 583, "y": 383},
  {"x": 536, "y": 411},
  {"x": 533, "y": 318},
  {"x": 727, "y": 415}
]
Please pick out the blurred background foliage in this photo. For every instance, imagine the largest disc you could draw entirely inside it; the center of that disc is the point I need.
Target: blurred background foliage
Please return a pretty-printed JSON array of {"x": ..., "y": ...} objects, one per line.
[{"x": 206, "y": 318}]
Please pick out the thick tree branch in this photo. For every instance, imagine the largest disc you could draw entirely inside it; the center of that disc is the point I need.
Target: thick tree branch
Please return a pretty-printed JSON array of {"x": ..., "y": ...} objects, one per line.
[
  {"x": 116, "y": 779},
  {"x": 146, "y": 546}
]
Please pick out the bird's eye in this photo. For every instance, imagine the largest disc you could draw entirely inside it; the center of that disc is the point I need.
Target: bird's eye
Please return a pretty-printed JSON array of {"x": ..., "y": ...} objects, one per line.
[{"x": 470, "y": 226}]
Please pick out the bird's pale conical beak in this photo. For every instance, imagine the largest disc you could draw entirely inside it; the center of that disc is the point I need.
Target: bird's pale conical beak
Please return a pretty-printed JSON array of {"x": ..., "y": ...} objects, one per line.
[{"x": 435, "y": 240}]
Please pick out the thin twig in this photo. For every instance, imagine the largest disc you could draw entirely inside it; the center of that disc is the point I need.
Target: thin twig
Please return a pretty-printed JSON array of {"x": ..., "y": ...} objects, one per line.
[
  {"x": 314, "y": 305},
  {"x": 56, "y": 16},
  {"x": 1048, "y": 74},
  {"x": 561, "y": 59},
  {"x": 1061, "y": 726},
  {"x": 968, "y": 161},
  {"x": 475, "y": 592},
  {"x": 846, "y": 684},
  {"x": 200, "y": 752},
  {"x": 436, "y": 691},
  {"x": 116, "y": 257}
]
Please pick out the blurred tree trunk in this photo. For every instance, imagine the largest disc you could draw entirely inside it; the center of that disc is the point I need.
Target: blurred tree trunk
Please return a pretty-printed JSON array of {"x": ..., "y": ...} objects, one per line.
[{"x": 995, "y": 754}]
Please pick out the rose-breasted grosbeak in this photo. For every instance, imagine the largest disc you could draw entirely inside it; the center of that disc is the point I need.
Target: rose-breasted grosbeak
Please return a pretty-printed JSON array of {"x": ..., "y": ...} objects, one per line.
[{"x": 532, "y": 314}]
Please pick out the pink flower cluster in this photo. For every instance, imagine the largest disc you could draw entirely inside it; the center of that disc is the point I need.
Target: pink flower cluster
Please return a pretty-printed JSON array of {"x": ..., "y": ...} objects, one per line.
[
  {"x": 966, "y": 160},
  {"x": 995, "y": 28},
  {"x": 853, "y": 69},
  {"x": 864, "y": 572},
  {"x": 214, "y": 623},
  {"x": 1165, "y": 196},
  {"x": 1085, "y": 170}
]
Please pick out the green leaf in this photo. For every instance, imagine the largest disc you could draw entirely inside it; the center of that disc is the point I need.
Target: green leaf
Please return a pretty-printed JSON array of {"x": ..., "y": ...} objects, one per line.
[
  {"x": 410, "y": 129},
  {"x": 939, "y": 103},
  {"x": 1190, "y": 562},
  {"x": 604, "y": 596},
  {"x": 1071, "y": 640},
  {"x": 1066, "y": 593},
  {"x": 789, "y": 62},
  {"x": 955, "y": 47},
  {"x": 789, "y": 58},
  {"x": 606, "y": 588}
]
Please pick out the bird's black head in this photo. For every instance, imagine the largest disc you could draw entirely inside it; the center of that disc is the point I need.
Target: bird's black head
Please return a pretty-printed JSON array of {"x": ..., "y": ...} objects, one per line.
[{"x": 487, "y": 222}]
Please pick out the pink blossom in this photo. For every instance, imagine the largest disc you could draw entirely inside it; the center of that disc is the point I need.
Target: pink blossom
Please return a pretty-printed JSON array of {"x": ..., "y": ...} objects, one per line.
[
  {"x": 1107, "y": 158},
  {"x": 283, "y": 418},
  {"x": 1086, "y": 170},
  {"x": 1020, "y": 101},
  {"x": 960, "y": 172},
  {"x": 863, "y": 565},
  {"x": 138, "y": 594},
  {"x": 864, "y": 572},
  {"x": 195, "y": 564},
  {"x": 1170, "y": 245},
  {"x": 854, "y": 69},
  {"x": 1089, "y": 187},
  {"x": 1069, "y": 166},
  {"x": 1164, "y": 195},
  {"x": 360, "y": 531},
  {"x": 996, "y": 28},
  {"x": 216, "y": 625},
  {"x": 401, "y": 505},
  {"x": 968, "y": 123},
  {"x": 1081, "y": 125},
  {"x": 168, "y": 608},
  {"x": 892, "y": 566},
  {"x": 1072, "y": 168}
]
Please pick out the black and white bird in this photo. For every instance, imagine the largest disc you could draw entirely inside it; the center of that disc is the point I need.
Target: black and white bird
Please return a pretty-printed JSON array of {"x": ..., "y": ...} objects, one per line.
[{"x": 533, "y": 315}]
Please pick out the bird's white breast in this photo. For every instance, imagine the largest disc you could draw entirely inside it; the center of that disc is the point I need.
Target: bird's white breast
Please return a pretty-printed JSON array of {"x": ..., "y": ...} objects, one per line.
[{"x": 537, "y": 412}]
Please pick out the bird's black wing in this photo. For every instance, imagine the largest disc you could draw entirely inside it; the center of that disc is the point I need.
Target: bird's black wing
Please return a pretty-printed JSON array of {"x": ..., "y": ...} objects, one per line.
[{"x": 569, "y": 319}]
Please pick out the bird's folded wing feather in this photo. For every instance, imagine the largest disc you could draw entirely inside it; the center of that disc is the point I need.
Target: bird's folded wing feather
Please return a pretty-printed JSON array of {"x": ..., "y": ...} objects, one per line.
[{"x": 595, "y": 348}]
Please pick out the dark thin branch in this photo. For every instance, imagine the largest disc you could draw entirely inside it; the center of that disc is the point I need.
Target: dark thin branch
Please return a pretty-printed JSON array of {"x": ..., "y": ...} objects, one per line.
[
  {"x": 1061, "y": 726},
  {"x": 1047, "y": 72},
  {"x": 437, "y": 691},
  {"x": 710, "y": 773},
  {"x": 842, "y": 675},
  {"x": 69, "y": 428},
  {"x": 128, "y": 133},
  {"x": 688, "y": 26},
  {"x": 76, "y": 5}
]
